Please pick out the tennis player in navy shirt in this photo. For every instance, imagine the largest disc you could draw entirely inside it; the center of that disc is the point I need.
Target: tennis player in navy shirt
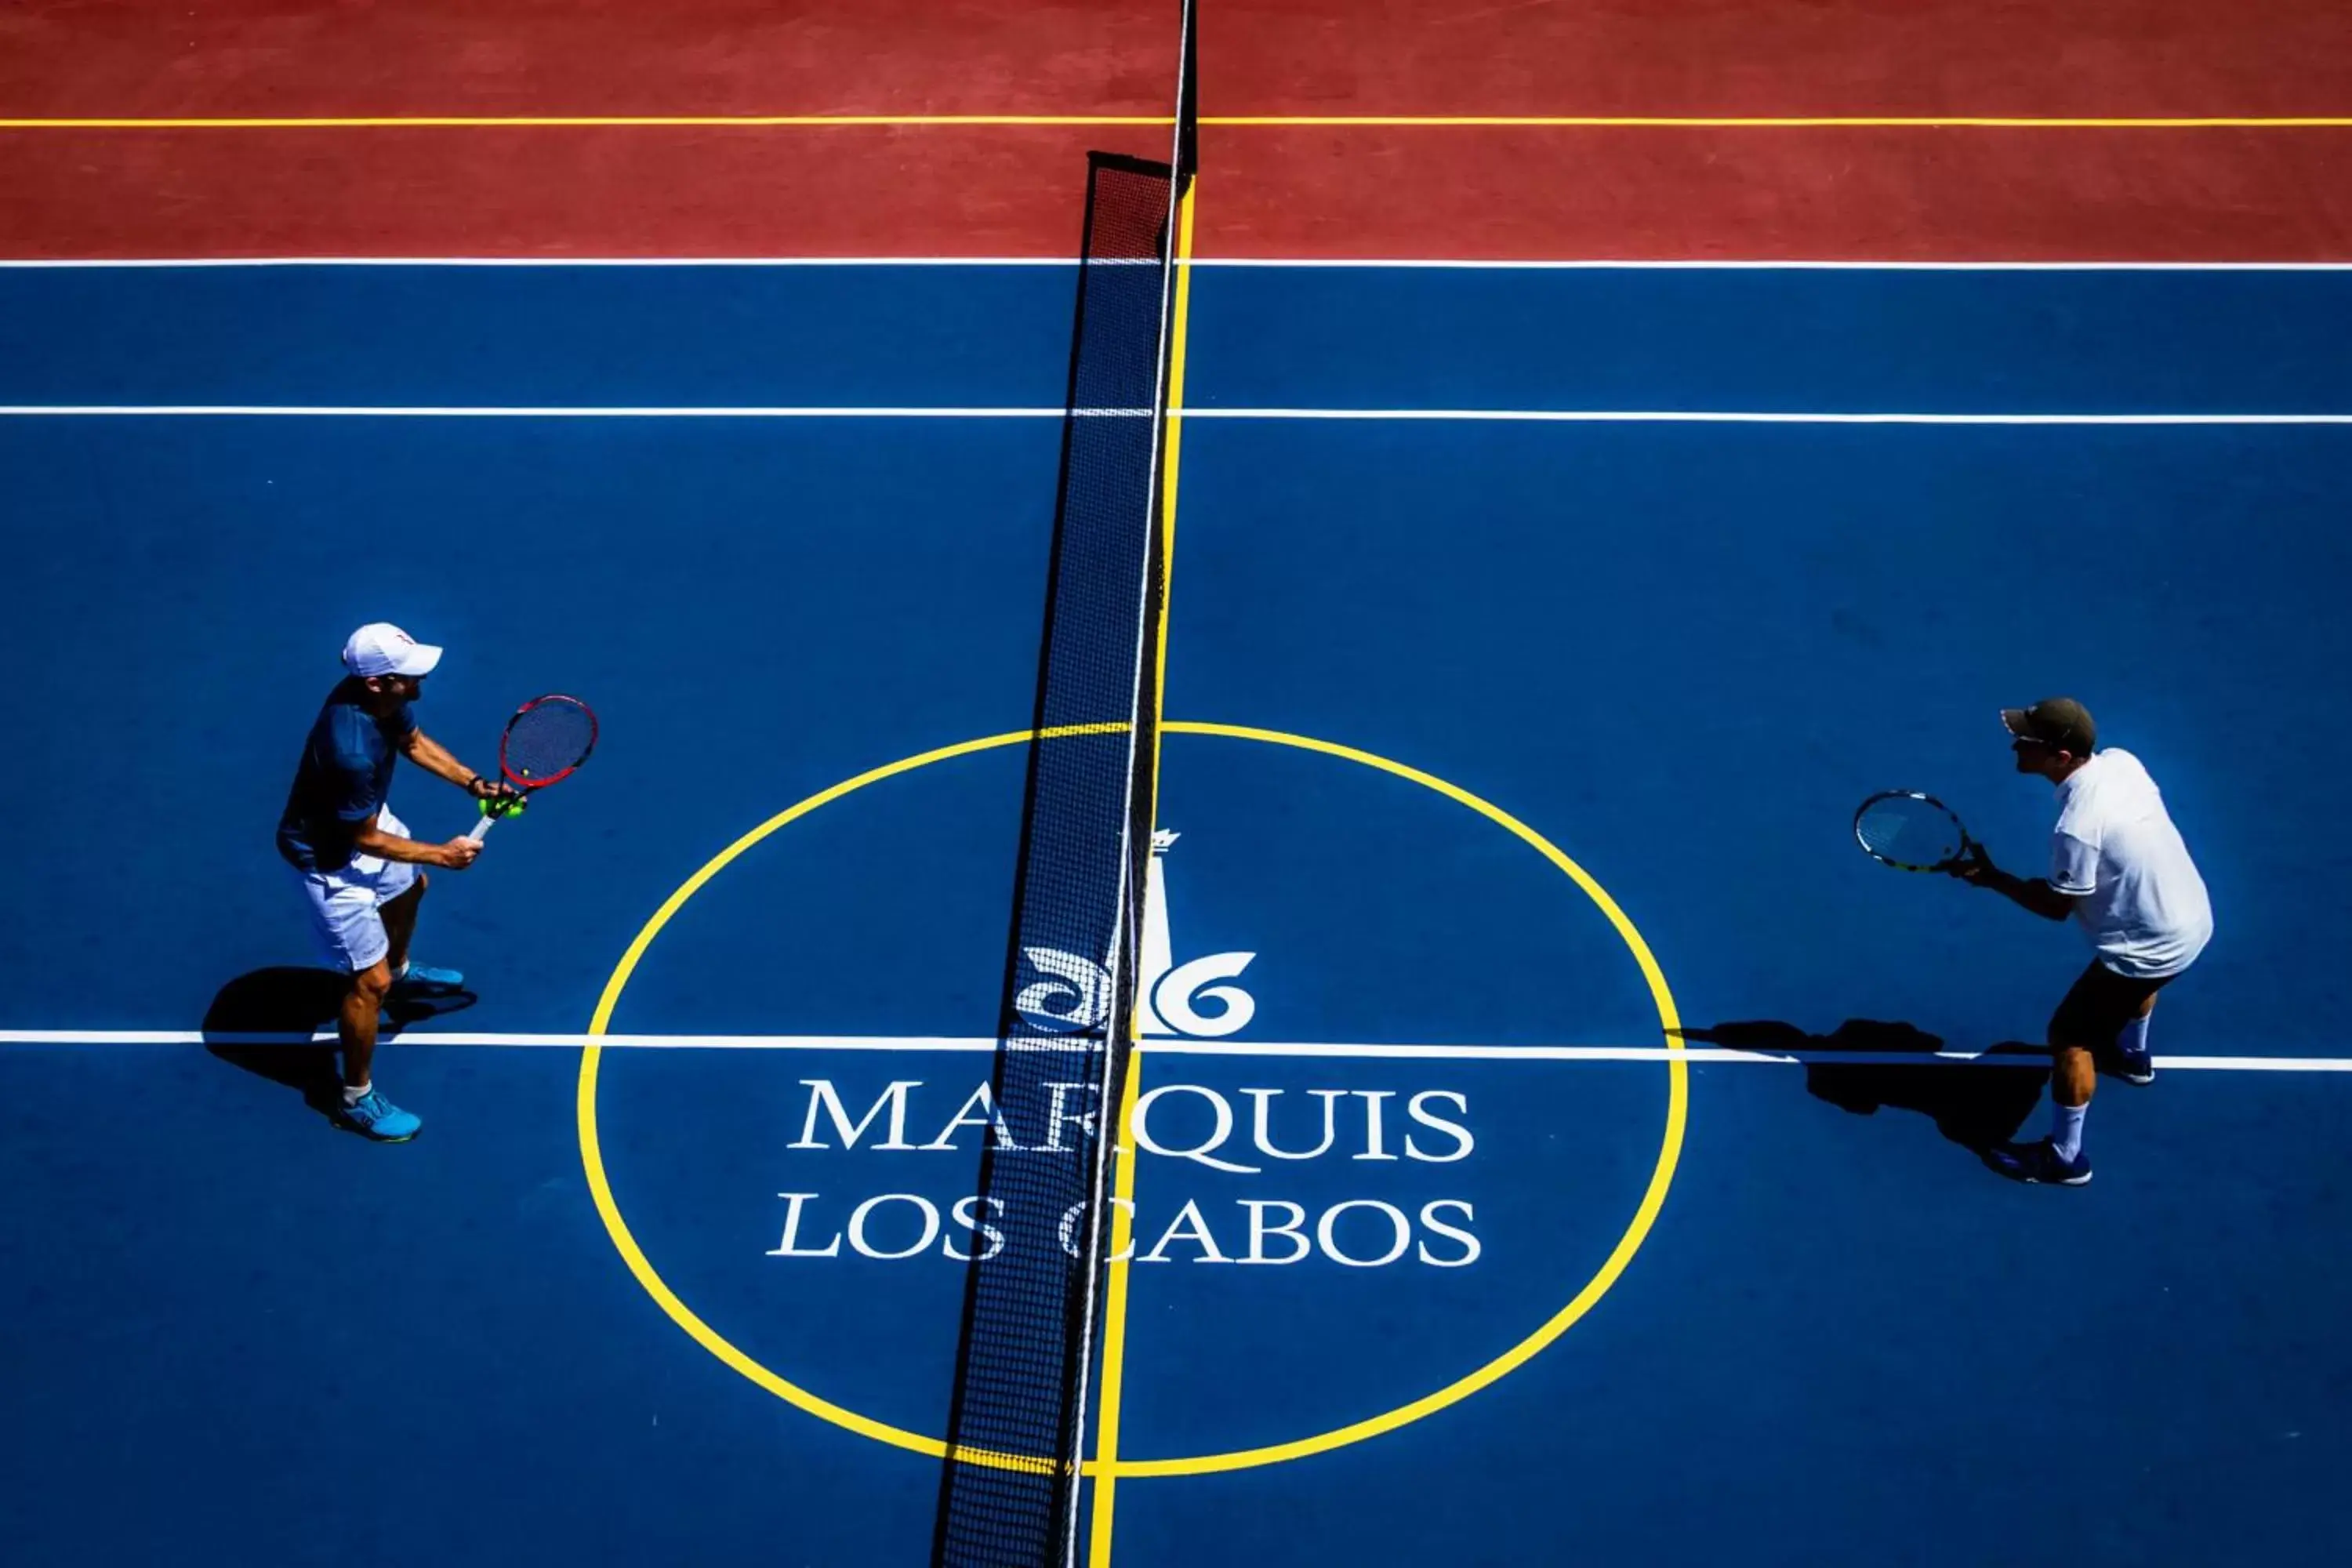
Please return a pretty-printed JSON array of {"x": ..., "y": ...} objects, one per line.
[{"x": 358, "y": 868}]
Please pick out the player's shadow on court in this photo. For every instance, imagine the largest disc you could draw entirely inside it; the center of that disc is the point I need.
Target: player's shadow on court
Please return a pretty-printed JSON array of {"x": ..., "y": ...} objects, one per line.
[
  {"x": 265, "y": 1022},
  {"x": 1977, "y": 1107}
]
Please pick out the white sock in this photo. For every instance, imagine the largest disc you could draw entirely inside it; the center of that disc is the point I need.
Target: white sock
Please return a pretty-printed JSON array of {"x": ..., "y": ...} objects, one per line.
[
  {"x": 352, "y": 1096},
  {"x": 2066, "y": 1129},
  {"x": 2134, "y": 1036}
]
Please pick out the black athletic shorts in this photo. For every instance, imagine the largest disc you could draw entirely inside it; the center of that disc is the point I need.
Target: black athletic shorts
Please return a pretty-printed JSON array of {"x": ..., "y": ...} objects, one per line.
[{"x": 2097, "y": 1006}]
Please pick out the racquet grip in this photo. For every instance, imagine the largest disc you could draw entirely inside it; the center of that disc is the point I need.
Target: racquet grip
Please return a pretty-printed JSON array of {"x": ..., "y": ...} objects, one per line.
[{"x": 480, "y": 829}]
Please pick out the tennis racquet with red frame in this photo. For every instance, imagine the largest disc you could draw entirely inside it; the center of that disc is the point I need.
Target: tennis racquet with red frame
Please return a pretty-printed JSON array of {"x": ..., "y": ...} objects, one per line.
[
  {"x": 1913, "y": 832},
  {"x": 545, "y": 742}
]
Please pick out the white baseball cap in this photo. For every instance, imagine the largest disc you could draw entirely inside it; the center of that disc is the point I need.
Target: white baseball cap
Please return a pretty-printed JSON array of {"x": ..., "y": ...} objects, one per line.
[{"x": 381, "y": 649}]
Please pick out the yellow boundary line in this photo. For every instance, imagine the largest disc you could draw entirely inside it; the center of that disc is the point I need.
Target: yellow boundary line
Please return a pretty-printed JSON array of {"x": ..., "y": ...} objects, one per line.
[
  {"x": 1218, "y": 121},
  {"x": 1105, "y": 1469},
  {"x": 1783, "y": 122},
  {"x": 1122, "y": 1208},
  {"x": 578, "y": 121}
]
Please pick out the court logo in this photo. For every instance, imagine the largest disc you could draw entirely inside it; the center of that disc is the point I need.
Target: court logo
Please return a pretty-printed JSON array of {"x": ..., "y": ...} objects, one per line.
[
  {"x": 1073, "y": 992},
  {"x": 1235, "y": 1155},
  {"x": 1227, "y": 1133}
]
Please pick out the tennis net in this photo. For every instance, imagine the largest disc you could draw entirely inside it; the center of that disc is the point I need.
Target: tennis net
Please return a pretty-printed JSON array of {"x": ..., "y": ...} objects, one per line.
[{"x": 1011, "y": 1485}]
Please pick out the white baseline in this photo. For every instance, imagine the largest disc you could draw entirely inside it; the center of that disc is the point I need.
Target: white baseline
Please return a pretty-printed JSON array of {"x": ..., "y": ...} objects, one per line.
[
  {"x": 986, "y": 1045},
  {"x": 1528, "y": 416}
]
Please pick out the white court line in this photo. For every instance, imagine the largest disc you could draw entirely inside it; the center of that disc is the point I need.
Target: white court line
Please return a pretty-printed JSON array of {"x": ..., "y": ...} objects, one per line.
[
  {"x": 470, "y": 1037},
  {"x": 1439, "y": 264},
  {"x": 1472, "y": 416},
  {"x": 982, "y": 1045},
  {"x": 1434, "y": 264},
  {"x": 1744, "y": 417},
  {"x": 404, "y": 411}
]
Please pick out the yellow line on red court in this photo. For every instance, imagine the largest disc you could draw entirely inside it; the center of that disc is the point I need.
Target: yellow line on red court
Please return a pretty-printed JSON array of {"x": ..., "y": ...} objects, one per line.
[
  {"x": 1228, "y": 122},
  {"x": 1784, "y": 123},
  {"x": 571, "y": 121}
]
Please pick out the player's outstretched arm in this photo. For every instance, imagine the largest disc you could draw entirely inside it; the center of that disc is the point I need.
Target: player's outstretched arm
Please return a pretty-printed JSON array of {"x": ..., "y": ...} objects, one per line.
[{"x": 437, "y": 760}]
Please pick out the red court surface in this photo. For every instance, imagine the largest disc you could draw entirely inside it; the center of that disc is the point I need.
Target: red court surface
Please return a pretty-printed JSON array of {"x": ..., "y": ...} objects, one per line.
[{"x": 2065, "y": 188}]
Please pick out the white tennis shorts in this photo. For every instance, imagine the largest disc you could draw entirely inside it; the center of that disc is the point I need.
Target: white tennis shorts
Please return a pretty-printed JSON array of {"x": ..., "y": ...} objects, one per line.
[{"x": 346, "y": 905}]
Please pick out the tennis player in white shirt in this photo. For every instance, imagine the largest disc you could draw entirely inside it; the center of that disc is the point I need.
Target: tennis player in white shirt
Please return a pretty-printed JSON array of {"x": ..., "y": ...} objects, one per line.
[{"x": 2118, "y": 867}]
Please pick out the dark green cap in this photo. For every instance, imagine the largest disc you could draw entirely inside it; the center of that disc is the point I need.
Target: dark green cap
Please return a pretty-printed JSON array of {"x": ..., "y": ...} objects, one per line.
[{"x": 2057, "y": 721}]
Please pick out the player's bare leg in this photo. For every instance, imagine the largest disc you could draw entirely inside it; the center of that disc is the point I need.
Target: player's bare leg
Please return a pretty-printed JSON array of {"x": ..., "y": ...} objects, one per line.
[
  {"x": 400, "y": 924},
  {"x": 355, "y": 1026},
  {"x": 363, "y": 1109}
]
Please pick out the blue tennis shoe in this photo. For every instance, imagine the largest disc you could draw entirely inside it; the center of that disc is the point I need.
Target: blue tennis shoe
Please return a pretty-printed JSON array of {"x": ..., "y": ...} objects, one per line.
[
  {"x": 418, "y": 980},
  {"x": 373, "y": 1116},
  {"x": 2040, "y": 1164}
]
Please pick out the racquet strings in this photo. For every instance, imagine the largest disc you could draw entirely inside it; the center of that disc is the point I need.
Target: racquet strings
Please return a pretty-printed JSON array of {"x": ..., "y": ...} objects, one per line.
[
  {"x": 547, "y": 740},
  {"x": 1910, "y": 831}
]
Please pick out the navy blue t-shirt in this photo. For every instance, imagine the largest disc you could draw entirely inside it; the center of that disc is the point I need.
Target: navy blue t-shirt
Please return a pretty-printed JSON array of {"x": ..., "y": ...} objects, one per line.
[{"x": 343, "y": 780}]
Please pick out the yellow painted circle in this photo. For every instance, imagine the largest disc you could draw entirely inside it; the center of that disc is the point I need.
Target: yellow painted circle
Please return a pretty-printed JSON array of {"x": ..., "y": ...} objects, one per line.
[{"x": 1645, "y": 1214}]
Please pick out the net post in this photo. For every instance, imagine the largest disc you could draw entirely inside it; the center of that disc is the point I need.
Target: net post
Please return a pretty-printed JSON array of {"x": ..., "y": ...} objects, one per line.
[{"x": 1187, "y": 160}]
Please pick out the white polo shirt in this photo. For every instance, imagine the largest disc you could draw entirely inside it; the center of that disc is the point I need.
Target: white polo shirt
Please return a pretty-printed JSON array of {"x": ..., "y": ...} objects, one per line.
[{"x": 2136, "y": 893}]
